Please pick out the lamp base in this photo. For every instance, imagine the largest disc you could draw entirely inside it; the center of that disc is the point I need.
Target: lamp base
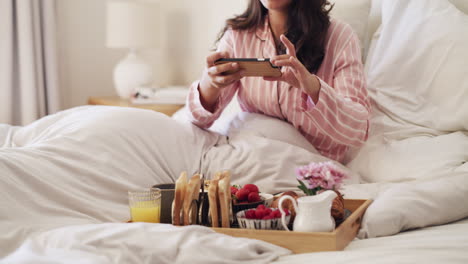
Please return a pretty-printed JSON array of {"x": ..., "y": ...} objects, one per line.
[{"x": 131, "y": 73}]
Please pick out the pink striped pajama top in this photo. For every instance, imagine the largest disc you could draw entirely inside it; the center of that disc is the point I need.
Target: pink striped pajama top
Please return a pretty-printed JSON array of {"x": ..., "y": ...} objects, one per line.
[{"x": 340, "y": 118}]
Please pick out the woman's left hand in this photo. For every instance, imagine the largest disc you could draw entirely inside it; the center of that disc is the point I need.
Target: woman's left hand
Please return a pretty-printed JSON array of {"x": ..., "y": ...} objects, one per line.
[{"x": 294, "y": 72}]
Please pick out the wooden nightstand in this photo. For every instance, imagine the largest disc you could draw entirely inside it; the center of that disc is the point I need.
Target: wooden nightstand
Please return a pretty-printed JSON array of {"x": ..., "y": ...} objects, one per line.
[{"x": 168, "y": 109}]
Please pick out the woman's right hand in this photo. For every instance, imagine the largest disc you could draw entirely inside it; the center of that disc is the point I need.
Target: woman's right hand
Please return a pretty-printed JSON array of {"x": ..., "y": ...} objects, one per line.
[{"x": 215, "y": 78}]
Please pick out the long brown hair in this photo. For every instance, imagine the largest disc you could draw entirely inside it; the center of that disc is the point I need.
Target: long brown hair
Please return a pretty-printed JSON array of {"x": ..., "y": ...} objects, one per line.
[{"x": 307, "y": 27}]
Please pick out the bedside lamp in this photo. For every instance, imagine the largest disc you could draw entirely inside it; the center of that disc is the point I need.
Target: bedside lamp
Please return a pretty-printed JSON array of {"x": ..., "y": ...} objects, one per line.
[{"x": 132, "y": 25}]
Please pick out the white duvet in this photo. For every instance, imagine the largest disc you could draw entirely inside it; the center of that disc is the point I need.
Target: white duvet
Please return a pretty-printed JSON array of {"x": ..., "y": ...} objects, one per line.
[{"x": 64, "y": 178}]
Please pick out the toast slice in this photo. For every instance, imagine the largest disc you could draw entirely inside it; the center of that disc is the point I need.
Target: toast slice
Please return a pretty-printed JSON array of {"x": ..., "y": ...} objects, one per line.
[
  {"x": 217, "y": 176},
  {"x": 180, "y": 190},
  {"x": 224, "y": 194},
  {"x": 191, "y": 195},
  {"x": 213, "y": 201}
]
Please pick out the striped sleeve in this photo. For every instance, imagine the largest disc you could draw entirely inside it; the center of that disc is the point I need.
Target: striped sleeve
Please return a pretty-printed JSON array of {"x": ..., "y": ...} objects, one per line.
[
  {"x": 343, "y": 111},
  {"x": 200, "y": 116}
]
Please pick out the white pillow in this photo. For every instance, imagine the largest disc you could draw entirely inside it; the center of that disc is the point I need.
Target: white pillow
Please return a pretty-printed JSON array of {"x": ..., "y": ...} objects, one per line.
[
  {"x": 375, "y": 16},
  {"x": 355, "y": 13},
  {"x": 462, "y": 5},
  {"x": 418, "y": 85},
  {"x": 417, "y": 204},
  {"x": 417, "y": 75}
]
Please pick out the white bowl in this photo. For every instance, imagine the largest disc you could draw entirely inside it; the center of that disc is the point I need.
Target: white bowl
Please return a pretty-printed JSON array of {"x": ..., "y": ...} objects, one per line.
[{"x": 267, "y": 224}]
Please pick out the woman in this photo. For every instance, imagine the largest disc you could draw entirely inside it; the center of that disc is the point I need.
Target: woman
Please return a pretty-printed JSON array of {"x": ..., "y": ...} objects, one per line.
[
  {"x": 321, "y": 93},
  {"x": 322, "y": 90}
]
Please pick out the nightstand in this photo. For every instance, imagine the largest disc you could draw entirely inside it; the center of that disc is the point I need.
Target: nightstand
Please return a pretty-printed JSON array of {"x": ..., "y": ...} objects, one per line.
[{"x": 168, "y": 109}]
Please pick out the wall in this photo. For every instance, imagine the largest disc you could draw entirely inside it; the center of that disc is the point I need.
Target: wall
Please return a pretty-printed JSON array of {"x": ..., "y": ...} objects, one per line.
[{"x": 189, "y": 29}]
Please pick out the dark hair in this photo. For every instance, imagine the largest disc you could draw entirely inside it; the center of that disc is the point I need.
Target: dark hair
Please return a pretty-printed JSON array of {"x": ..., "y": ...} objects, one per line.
[{"x": 307, "y": 27}]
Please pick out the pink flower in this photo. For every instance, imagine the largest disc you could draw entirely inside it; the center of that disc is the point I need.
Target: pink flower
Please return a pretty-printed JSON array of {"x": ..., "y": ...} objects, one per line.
[{"x": 321, "y": 176}]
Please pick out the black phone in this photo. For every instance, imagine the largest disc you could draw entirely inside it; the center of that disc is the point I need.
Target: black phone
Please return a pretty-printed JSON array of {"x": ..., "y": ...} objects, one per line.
[{"x": 254, "y": 66}]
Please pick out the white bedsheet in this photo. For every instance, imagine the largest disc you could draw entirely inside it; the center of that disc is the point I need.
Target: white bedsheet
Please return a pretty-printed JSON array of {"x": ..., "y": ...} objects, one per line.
[
  {"x": 438, "y": 244},
  {"x": 141, "y": 243},
  {"x": 153, "y": 243},
  {"x": 64, "y": 180},
  {"x": 75, "y": 167}
]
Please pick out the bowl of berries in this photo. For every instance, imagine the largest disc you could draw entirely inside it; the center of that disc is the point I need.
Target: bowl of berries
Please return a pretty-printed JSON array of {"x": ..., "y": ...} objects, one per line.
[
  {"x": 247, "y": 197},
  {"x": 261, "y": 217}
]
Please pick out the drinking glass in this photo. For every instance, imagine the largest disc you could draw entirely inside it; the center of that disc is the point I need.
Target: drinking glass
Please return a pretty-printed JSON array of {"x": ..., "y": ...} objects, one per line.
[{"x": 145, "y": 205}]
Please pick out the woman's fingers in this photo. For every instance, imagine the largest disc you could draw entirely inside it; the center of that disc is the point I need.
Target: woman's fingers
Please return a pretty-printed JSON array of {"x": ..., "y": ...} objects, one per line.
[
  {"x": 289, "y": 46},
  {"x": 298, "y": 65},
  {"x": 292, "y": 62},
  {"x": 221, "y": 68},
  {"x": 279, "y": 57},
  {"x": 294, "y": 72},
  {"x": 210, "y": 60},
  {"x": 227, "y": 79},
  {"x": 285, "y": 62}
]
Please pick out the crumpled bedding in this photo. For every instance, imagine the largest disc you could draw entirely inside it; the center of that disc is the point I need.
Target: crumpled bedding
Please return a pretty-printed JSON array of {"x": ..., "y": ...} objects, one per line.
[
  {"x": 141, "y": 243},
  {"x": 67, "y": 174},
  {"x": 75, "y": 167}
]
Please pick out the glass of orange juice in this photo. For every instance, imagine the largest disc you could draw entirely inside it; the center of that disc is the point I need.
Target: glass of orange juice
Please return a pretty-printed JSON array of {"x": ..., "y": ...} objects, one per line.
[{"x": 145, "y": 205}]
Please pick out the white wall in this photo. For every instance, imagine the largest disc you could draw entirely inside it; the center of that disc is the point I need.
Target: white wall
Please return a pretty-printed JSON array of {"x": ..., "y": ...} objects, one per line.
[{"x": 189, "y": 28}]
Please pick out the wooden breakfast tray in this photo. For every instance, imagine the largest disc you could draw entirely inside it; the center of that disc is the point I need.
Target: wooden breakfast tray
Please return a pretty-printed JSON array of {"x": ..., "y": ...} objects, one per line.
[{"x": 303, "y": 242}]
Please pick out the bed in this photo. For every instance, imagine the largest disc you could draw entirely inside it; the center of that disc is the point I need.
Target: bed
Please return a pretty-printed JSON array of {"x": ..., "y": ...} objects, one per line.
[{"x": 64, "y": 177}]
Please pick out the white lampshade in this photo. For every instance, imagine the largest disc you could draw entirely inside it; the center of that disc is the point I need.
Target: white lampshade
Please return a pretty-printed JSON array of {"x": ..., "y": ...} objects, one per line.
[{"x": 132, "y": 24}]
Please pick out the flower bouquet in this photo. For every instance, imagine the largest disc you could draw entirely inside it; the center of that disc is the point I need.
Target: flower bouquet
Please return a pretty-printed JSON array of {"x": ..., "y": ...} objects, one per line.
[{"x": 317, "y": 177}]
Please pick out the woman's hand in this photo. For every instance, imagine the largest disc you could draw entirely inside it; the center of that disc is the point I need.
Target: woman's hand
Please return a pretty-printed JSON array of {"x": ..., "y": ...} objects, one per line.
[
  {"x": 294, "y": 72},
  {"x": 215, "y": 78}
]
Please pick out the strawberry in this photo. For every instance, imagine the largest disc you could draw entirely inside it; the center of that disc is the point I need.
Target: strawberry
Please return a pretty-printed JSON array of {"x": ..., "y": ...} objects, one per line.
[
  {"x": 233, "y": 190},
  {"x": 251, "y": 187},
  {"x": 253, "y": 197},
  {"x": 242, "y": 195}
]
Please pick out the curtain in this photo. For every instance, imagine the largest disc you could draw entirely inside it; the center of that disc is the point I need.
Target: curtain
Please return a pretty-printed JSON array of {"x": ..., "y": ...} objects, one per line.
[{"x": 28, "y": 60}]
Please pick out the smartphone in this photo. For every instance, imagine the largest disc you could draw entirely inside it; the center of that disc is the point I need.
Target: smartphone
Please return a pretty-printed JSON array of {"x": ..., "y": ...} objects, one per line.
[{"x": 254, "y": 66}]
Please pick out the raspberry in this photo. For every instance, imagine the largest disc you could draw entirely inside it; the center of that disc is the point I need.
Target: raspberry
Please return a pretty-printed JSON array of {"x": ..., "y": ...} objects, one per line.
[
  {"x": 233, "y": 190},
  {"x": 267, "y": 217},
  {"x": 242, "y": 194},
  {"x": 261, "y": 206},
  {"x": 276, "y": 213},
  {"x": 259, "y": 213},
  {"x": 253, "y": 197},
  {"x": 251, "y": 187},
  {"x": 250, "y": 214},
  {"x": 268, "y": 211}
]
